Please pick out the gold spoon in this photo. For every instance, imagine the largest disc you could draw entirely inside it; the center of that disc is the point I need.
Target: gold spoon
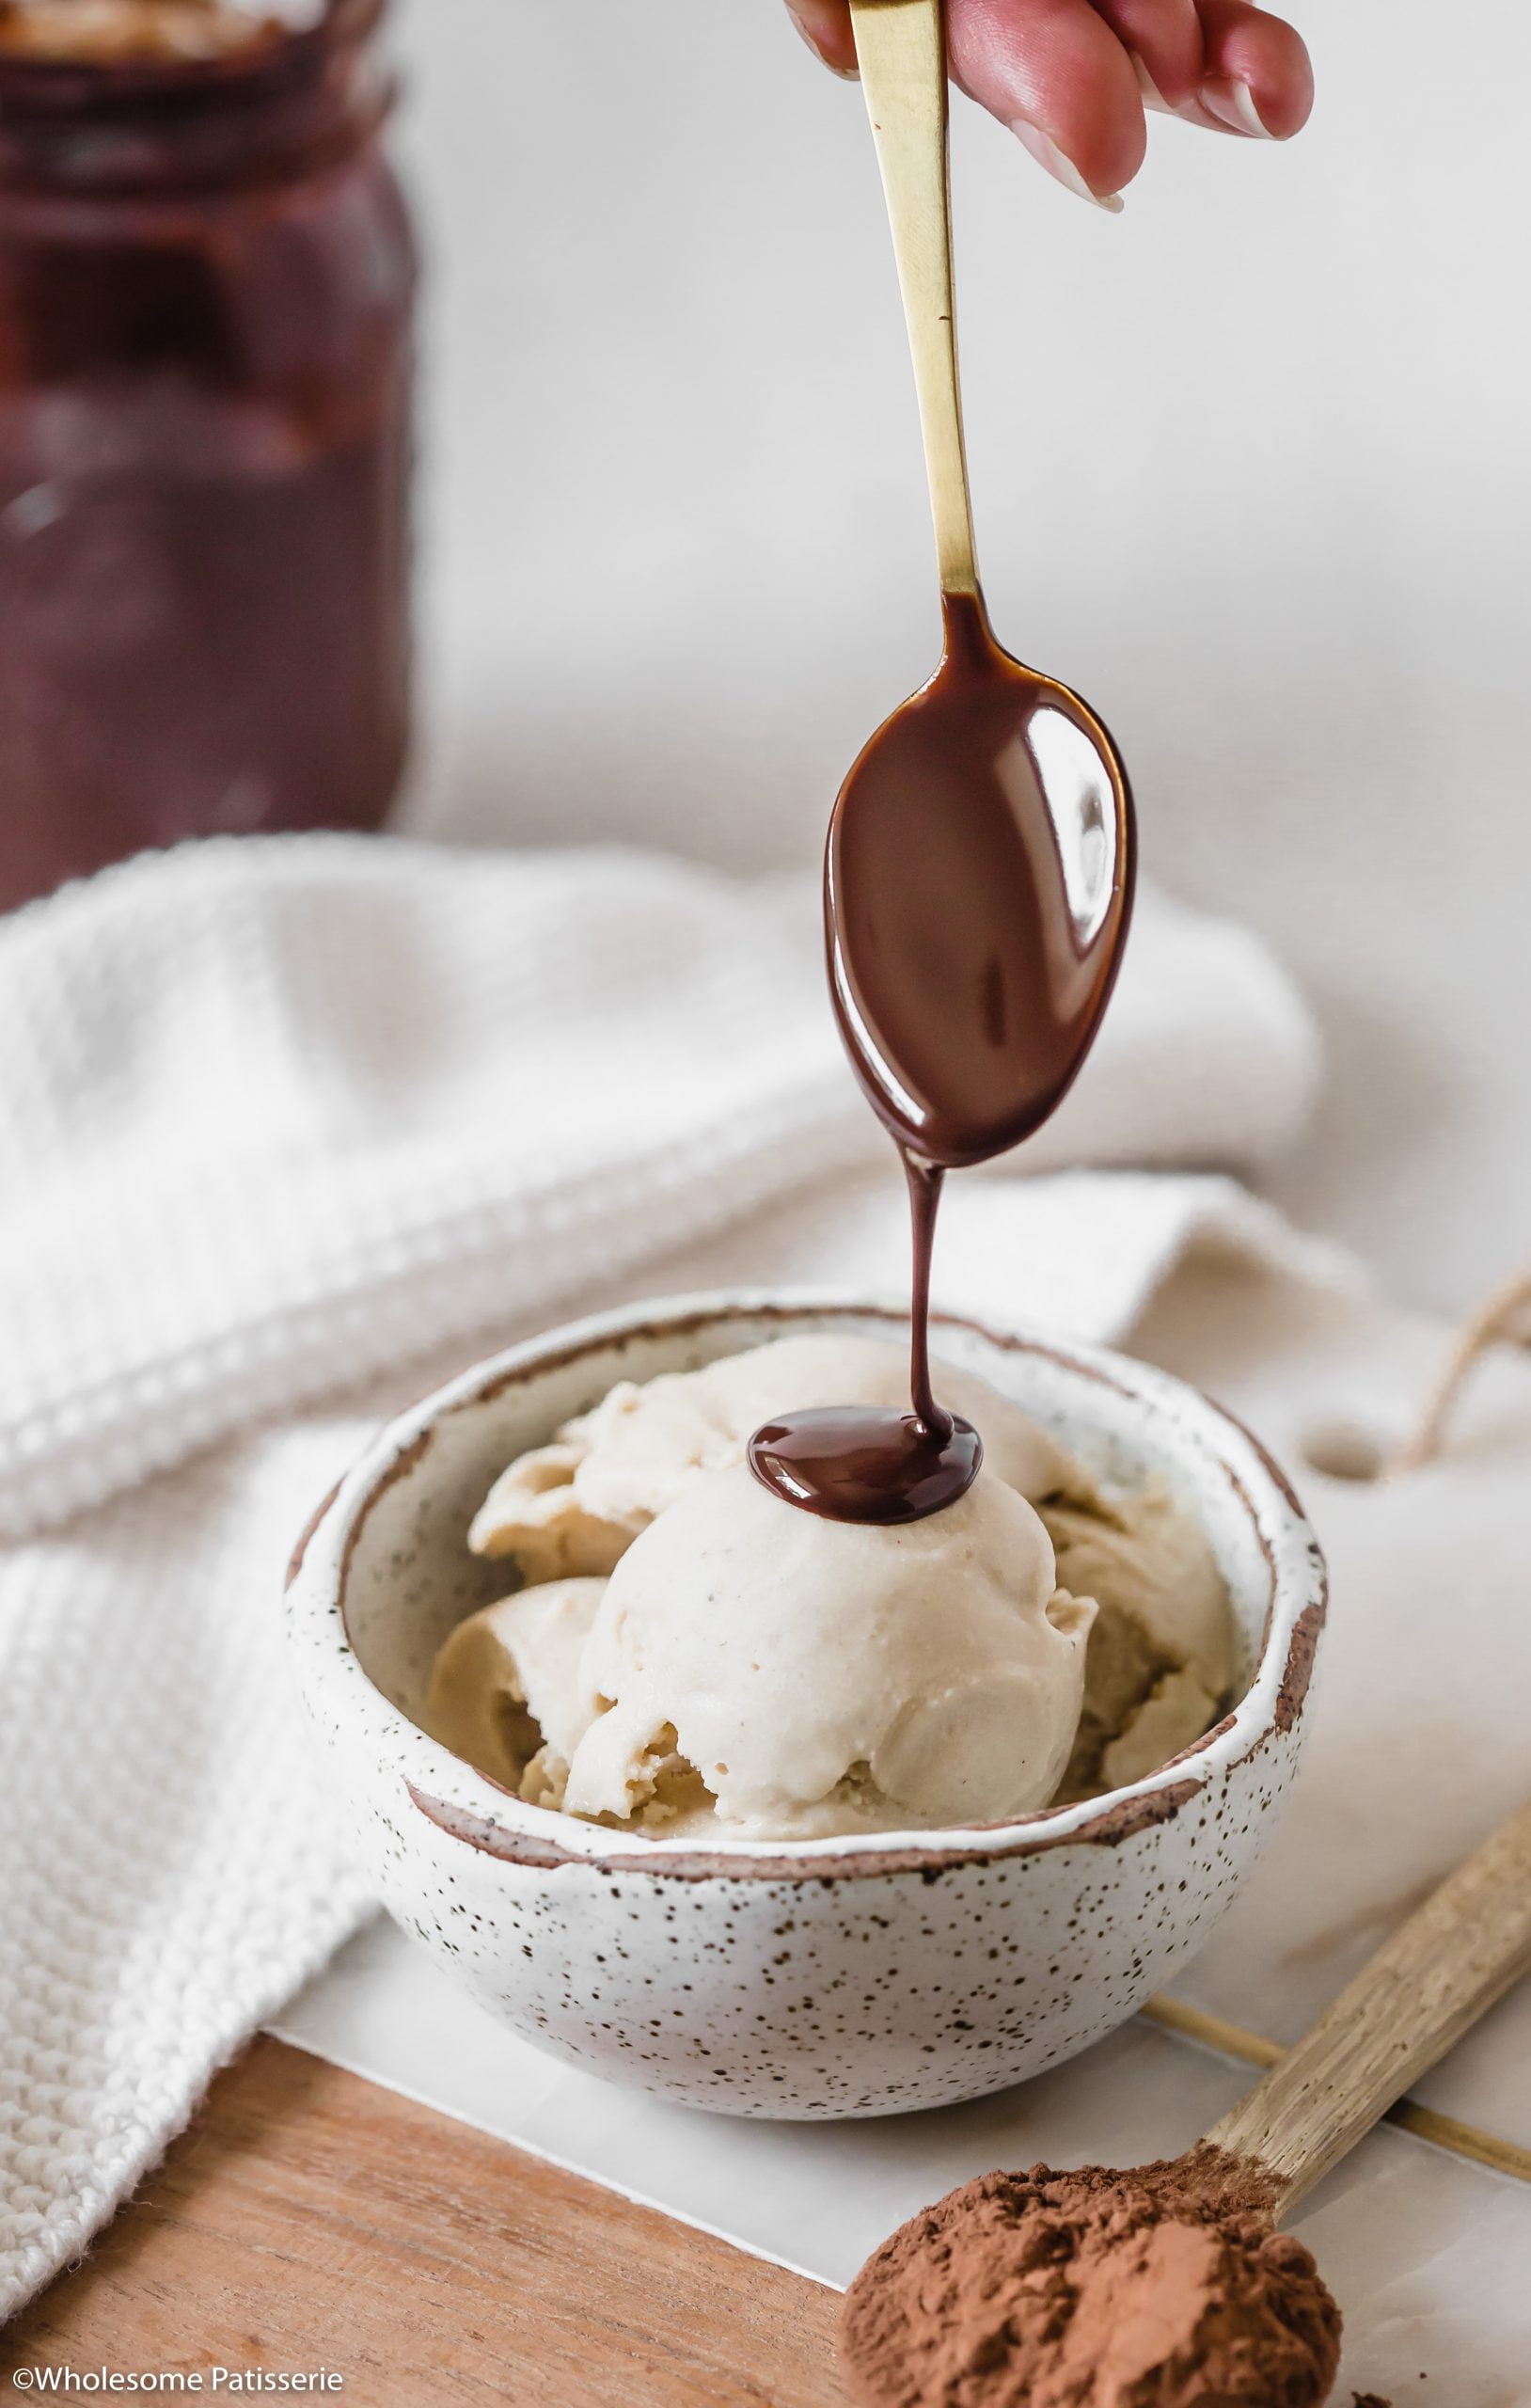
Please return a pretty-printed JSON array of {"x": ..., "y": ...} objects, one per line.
[
  {"x": 980, "y": 864},
  {"x": 978, "y": 876}
]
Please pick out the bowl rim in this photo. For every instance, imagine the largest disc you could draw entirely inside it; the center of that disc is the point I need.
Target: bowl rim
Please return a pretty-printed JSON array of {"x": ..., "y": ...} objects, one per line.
[{"x": 467, "y": 1806}]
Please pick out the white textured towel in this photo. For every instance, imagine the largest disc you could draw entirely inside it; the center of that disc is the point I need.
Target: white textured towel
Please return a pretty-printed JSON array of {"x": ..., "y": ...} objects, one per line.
[{"x": 298, "y": 1119}]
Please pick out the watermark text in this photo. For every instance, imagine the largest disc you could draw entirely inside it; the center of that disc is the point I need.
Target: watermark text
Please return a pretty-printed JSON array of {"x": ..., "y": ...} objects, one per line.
[{"x": 229, "y": 2381}]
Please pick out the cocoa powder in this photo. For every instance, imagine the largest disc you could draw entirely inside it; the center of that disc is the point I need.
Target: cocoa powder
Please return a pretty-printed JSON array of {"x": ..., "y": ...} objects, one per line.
[{"x": 1165, "y": 2286}]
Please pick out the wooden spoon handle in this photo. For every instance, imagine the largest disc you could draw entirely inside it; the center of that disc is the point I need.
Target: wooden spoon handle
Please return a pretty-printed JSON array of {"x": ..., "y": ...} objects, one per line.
[
  {"x": 901, "y": 45},
  {"x": 1467, "y": 1944}
]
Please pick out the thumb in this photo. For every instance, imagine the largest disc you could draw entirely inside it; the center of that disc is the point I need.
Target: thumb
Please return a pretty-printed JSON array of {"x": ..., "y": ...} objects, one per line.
[{"x": 825, "y": 26}]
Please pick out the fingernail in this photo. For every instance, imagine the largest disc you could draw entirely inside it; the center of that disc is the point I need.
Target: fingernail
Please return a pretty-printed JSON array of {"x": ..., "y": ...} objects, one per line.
[
  {"x": 1233, "y": 105},
  {"x": 847, "y": 75},
  {"x": 1152, "y": 97},
  {"x": 1047, "y": 154}
]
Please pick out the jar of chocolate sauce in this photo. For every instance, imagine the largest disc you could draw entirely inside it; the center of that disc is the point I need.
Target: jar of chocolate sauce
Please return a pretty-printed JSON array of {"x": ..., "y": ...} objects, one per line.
[{"x": 206, "y": 294}]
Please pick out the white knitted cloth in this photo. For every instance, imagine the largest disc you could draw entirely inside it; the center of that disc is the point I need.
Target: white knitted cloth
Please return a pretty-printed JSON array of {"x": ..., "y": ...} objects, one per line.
[{"x": 281, "y": 1120}]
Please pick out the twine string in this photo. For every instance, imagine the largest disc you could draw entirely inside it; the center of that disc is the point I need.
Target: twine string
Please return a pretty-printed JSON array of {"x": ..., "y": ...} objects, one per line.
[{"x": 1503, "y": 1319}]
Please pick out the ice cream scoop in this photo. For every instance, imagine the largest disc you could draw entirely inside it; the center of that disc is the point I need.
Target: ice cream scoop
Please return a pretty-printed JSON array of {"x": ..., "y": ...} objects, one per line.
[
  {"x": 1169, "y": 2284},
  {"x": 506, "y": 1692},
  {"x": 808, "y": 1678},
  {"x": 573, "y": 1507},
  {"x": 1159, "y": 1656},
  {"x": 1162, "y": 1651}
]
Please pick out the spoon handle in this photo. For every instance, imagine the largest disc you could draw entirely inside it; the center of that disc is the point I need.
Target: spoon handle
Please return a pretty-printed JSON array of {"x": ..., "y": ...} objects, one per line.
[
  {"x": 901, "y": 45},
  {"x": 1451, "y": 1961}
]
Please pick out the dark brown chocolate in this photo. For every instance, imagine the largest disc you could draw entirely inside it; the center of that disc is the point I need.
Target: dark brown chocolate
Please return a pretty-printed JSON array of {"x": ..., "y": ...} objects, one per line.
[
  {"x": 978, "y": 882},
  {"x": 977, "y": 885}
]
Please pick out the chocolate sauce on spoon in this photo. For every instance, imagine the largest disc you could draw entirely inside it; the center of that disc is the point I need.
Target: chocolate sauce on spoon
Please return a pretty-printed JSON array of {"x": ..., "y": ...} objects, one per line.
[
  {"x": 977, "y": 889},
  {"x": 978, "y": 879}
]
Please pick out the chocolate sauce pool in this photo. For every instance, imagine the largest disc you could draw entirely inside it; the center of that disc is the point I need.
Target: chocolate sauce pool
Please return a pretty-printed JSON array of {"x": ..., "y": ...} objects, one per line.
[
  {"x": 977, "y": 887},
  {"x": 869, "y": 1463}
]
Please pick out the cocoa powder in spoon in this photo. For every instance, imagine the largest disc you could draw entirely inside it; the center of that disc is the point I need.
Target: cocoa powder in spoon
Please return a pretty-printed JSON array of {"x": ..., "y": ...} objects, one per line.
[{"x": 1166, "y": 2286}]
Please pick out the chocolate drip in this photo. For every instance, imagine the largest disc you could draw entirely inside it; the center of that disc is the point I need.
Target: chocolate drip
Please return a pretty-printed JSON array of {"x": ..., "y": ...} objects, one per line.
[
  {"x": 871, "y": 1463},
  {"x": 977, "y": 885},
  {"x": 926, "y": 1182}
]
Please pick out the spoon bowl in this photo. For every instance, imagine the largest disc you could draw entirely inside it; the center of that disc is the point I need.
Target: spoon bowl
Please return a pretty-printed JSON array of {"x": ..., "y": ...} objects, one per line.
[{"x": 978, "y": 888}]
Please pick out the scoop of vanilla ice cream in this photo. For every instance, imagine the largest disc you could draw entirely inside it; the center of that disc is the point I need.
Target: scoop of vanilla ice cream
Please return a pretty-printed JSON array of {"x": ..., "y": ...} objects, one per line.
[
  {"x": 536, "y": 1512},
  {"x": 1176, "y": 1711},
  {"x": 773, "y": 1674},
  {"x": 506, "y": 1689},
  {"x": 573, "y": 1507},
  {"x": 1161, "y": 1653}
]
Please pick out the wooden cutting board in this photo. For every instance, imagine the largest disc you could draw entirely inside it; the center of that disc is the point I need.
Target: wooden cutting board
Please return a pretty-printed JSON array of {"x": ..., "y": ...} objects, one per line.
[{"x": 309, "y": 2219}]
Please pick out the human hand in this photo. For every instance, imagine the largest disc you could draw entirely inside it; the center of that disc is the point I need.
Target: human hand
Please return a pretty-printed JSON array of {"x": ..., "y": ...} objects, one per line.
[{"x": 1072, "y": 78}]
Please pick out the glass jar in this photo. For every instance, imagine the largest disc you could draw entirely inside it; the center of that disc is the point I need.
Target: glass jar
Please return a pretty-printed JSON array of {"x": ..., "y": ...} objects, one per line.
[{"x": 206, "y": 282}]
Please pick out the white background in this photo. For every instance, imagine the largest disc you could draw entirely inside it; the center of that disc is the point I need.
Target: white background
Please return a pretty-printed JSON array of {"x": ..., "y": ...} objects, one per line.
[{"x": 1249, "y": 467}]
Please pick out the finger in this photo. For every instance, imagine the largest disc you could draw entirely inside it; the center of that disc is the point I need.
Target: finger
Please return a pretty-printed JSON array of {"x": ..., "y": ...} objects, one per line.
[
  {"x": 825, "y": 26},
  {"x": 1259, "y": 78},
  {"x": 1163, "y": 39},
  {"x": 1056, "y": 74}
]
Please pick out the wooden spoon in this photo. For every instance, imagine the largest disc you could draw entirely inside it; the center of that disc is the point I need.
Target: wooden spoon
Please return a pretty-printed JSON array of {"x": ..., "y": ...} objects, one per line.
[
  {"x": 1180, "y": 2257},
  {"x": 1426, "y": 1986}
]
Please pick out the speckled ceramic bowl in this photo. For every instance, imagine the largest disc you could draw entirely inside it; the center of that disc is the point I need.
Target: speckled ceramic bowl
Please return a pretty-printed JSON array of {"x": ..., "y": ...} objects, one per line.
[{"x": 812, "y": 1978}]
